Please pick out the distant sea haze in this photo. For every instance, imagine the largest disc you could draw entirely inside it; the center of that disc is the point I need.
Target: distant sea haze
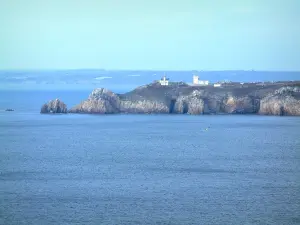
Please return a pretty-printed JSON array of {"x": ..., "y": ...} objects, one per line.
[{"x": 122, "y": 81}]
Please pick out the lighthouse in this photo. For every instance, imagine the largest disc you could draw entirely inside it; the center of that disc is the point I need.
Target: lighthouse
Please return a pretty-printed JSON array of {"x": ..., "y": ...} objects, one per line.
[{"x": 164, "y": 81}]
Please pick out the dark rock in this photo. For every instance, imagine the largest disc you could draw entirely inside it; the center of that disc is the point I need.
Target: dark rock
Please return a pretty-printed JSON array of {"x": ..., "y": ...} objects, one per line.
[
  {"x": 54, "y": 106},
  {"x": 9, "y": 110}
]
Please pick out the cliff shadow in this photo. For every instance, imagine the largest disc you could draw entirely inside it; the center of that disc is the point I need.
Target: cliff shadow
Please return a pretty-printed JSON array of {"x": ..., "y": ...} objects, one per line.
[
  {"x": 172, "y": 105},
  {"x": 185, "y": 108}
]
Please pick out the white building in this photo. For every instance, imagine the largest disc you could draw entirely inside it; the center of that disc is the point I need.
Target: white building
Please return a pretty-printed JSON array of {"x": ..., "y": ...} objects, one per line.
[
  {"x": 164, "y": 81},
  {"x": 196, "y": 81}
]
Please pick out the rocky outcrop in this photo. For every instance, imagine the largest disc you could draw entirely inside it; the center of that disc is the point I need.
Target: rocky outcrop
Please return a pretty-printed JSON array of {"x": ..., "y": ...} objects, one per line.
[
  {"x": 282, "y": 102},
  {"x": 103, "y": 101},
  {"x": 190, "y": 104},
  {"x": 54, "y": 106},
  {"x": 239, "y": 105},
  {"x": 143, "y": 106},
  {"x": 287, "y": 90},
  {"x": 213, "y": 105},
  {"x": 100, "y": 101}
]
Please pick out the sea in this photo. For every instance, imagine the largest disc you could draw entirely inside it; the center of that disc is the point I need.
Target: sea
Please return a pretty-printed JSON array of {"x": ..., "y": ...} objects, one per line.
[{"x": 144, "y": 169}]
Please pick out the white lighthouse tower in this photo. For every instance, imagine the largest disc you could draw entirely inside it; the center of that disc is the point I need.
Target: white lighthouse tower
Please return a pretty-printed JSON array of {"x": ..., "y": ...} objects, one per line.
[{"x": 164, "y": 81}]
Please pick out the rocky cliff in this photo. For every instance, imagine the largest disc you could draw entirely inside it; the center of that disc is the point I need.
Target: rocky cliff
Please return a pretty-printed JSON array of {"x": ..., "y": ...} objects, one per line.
[
  {"x": 103, "y": 101},
  {"x": 54, "y": 106},
  {"x": 179, "y": 98},
  {"x": 100, "y": 101},
  {"x": 284, "y": 101},
  {"x": 189, "y": 104}
]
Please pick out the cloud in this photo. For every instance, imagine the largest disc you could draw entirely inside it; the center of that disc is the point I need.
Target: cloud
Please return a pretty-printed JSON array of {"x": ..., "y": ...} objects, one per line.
[
  {"x": 102, "y": 78},
  {"x": 19, "y": 78},
  {"x": 134, "y": 75}
]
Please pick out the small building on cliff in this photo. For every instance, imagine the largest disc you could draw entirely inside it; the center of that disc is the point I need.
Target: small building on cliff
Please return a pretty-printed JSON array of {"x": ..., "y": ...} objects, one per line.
[
  {"x": 196, "y": 81},
  {"x": 164, "y": 81}
]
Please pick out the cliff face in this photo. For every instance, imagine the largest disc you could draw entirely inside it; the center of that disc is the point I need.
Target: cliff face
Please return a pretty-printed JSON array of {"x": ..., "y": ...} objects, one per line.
[
  {"x": 190, "y": 104},
  {"x": 143, "y": 106},
  {"x": 100, "y": 101},
  {"x": 103, "y": 101},
  {"x": 239, "y": 105},
  {"x": 54, "y": 106},
  {"x": 284, "y": 101},
  {"x": 179, "y": 98}
]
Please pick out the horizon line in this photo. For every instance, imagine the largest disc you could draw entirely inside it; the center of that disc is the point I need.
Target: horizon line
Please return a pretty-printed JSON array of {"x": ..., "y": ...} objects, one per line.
[{"x": 130, "y": 70}]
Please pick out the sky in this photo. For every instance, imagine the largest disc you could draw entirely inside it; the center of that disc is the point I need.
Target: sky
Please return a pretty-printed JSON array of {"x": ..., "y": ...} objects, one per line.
[{"x": 150, "y": 34}]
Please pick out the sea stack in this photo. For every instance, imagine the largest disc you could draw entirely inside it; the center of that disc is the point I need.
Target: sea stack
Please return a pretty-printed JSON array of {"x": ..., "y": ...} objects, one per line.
[{"x": 54, "y": 106}]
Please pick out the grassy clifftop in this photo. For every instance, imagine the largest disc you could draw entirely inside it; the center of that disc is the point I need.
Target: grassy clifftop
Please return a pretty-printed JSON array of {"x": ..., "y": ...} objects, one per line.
[{"x": 155, "y": 91}]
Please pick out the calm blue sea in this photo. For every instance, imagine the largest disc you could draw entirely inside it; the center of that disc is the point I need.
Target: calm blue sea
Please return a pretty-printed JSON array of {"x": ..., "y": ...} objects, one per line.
[{"x": 145, "y": 169}]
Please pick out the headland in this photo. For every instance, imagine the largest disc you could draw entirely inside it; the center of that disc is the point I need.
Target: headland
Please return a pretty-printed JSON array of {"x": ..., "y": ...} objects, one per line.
[{"x": 166, "y": 97}]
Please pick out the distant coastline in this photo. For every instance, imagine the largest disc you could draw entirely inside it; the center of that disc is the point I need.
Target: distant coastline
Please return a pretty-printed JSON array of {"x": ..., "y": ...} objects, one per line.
[{"x": 88, "y": 79}]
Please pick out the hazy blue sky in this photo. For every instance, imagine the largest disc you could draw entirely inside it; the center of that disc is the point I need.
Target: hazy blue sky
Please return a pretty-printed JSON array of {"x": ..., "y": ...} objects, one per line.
[{"x": 150, "y": 34}]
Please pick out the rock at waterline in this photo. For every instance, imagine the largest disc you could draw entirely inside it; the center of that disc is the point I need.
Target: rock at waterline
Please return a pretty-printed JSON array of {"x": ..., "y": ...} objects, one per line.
[
  {"x": 284, "y": 101},
  {"x": 54, "y": 106}
]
